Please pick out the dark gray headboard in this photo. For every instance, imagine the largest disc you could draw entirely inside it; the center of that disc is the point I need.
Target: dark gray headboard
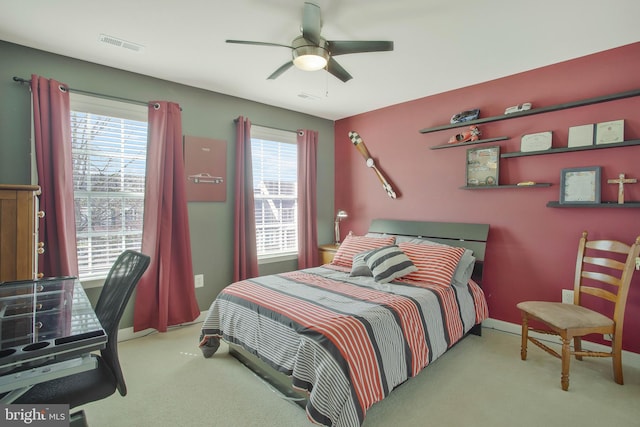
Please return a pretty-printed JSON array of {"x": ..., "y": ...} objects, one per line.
[{"x": 459, "y": 234}]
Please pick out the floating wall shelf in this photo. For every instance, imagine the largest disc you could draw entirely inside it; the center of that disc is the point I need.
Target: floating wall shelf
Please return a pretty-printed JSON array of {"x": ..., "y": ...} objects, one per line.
[
  {"x": 493, "y": 187},
  {"x": 462, "y": 144},
  {"x": 584, "y": 102},
  {"x": 568, "y": 149},
  {"x": 596, "y": 205}
]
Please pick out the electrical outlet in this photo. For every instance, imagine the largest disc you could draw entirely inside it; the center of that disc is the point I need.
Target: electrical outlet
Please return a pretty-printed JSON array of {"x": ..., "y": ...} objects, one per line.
[
  {"x": 638, "y": 263},
  {"x": 607, "y": 337},
  {"x": 567, "y": 296},
  {"x": 199, "y": 280}
]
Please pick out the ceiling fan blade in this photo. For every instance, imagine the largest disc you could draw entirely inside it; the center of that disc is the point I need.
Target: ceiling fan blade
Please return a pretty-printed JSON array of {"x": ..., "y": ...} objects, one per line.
[
  {"x": 311, "y": 23},
  {"x": 346, "y": 47},
  {"x": 280, "y": 70},
  {"x": 258, "y": 43},
  {"x": 336, "y": 69}
]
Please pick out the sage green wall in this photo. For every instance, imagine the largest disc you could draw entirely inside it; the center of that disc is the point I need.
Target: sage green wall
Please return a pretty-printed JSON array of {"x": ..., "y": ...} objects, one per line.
[{"x": 204, "y": 114}]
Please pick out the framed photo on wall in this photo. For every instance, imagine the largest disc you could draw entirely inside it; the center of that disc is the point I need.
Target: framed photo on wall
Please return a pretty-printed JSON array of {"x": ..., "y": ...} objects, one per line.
[
  {"x": 205, "y": 164},
  {"x": 483, "y": 166},
  {"x": 580, "y": 186}
]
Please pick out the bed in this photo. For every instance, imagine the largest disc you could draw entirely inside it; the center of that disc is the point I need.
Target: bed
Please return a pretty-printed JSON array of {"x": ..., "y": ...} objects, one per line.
[{"x": 340, "y": 337}]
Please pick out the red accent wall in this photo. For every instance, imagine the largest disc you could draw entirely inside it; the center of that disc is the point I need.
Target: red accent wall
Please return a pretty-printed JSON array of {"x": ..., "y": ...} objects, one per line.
[{"x": 532, "y": 248}]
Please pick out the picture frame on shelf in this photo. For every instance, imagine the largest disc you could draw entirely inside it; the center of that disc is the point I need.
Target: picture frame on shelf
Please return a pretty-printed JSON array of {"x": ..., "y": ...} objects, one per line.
[
  {"x": 610, "y": 132},
  {"x": 483, "y": 166},
  {"x": 536, "y": 142},
  {"x": 580, "y": 186}
]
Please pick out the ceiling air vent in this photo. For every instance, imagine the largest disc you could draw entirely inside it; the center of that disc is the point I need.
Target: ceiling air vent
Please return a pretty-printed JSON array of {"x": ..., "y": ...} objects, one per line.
[
  {"x": 114, "y": 41},
  {"x": 308, "y": 96}
]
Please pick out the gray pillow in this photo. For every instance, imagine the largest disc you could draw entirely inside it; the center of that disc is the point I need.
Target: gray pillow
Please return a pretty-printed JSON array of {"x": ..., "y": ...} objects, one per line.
[
  {"x": 388, "y": 263},
  {"x": 464, "y": 270},
  {"x": 359, "y": 266}
]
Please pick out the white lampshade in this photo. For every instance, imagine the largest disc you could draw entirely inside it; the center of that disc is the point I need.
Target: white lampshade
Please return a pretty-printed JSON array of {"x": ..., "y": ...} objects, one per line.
[{"x": 341, "y": 214}]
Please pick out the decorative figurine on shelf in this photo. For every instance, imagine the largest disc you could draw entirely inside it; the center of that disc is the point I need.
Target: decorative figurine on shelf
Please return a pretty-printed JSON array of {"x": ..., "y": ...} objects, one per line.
[
  {"x": 465, "y": 116},
  {"x": 621, "y": 181},
  {"x": 472, "y": 134},
  {"x": 518, "y": 108}
]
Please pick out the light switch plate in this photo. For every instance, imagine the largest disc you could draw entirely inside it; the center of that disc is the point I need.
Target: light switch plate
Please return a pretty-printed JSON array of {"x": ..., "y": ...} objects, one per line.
[
  {"x": 567, "y": 296},
  {"x": 199, "y": 280}
]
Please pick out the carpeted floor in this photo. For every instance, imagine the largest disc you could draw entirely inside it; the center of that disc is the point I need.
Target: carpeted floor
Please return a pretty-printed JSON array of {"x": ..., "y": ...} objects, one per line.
[{"x": 480, "y": 382}]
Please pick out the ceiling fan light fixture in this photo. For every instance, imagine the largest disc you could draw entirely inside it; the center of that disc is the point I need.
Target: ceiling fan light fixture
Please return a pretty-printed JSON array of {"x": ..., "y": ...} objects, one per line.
[
  {"x": 309, "y": 57},
  {"x": 310, "y": 62}
]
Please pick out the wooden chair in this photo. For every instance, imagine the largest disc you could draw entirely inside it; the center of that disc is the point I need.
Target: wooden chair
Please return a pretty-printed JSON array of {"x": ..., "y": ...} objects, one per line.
[{"x": 600, "y": 273}]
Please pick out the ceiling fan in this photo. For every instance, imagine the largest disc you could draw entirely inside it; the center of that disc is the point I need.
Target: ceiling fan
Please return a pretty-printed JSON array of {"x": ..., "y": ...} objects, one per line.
[{"x": 312, "y": 52}]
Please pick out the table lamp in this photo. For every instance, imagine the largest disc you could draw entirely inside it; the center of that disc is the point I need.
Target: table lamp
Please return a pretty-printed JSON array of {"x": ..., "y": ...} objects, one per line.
[{"x": 339, "y": 216}]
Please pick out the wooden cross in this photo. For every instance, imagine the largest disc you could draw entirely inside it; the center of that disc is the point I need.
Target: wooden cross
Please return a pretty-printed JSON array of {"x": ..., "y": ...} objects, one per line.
[{"x": 621, "y": 181}]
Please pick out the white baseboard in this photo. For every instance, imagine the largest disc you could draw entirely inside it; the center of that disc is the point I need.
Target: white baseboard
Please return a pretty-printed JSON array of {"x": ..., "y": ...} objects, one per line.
[
  {"x": 128, "y": 334},
  {"x": 628, "y": 358}
]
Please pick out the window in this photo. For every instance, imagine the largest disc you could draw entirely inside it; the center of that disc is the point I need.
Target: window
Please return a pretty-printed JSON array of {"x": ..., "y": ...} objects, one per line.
[
  {"x": 275, "y": 186},
  {"x": 109, "y": 149}
]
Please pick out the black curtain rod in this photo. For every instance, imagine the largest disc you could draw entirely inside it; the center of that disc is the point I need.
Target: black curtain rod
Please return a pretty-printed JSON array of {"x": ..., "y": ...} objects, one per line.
[
  {"x": 269, "y": 127},
  {"x": 86, "y": 92}
]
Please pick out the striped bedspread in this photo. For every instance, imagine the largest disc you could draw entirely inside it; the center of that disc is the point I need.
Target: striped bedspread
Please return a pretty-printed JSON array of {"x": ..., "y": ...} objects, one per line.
[{"x": 348, "y": 341}]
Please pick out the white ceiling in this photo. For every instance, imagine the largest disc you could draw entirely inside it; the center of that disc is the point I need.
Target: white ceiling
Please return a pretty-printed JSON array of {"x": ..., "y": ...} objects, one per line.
[{"x": 440, "y": 45}]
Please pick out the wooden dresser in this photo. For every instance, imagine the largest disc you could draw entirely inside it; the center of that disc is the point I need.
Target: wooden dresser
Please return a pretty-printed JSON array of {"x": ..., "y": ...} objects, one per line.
[{"x": 19, "y": 232}]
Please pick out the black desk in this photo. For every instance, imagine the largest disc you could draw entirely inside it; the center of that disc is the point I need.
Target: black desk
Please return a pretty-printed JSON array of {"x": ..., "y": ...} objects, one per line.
[{"x": 47, "y": 330}]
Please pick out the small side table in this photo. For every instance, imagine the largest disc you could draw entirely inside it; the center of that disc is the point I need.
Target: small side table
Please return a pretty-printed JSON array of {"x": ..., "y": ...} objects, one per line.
[{"x": 327, "y": 252}]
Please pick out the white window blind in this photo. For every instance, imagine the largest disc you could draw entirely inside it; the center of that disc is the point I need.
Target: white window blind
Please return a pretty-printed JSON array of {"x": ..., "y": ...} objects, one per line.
[
  {"x": 109, "y": 146},
  {"x": 275, "y": 174}
]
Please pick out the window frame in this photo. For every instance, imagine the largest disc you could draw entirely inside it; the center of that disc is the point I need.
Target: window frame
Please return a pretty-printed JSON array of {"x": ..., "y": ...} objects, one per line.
[
  {"x": 284, "y": 137},
  {"x": 112, "y": 108}
]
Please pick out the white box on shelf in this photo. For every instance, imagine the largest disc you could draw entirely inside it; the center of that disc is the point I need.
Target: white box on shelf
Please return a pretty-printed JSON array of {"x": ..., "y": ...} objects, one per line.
[{"x": 580, "y": 136}]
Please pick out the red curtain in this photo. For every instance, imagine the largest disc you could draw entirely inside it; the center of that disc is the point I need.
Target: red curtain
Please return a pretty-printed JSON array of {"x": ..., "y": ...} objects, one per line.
[
  {"x": 52, "y": 132},
  {"x": 307, "y": 199},
  {"x": 245, "y": 252},
  {"x": 165, "y": 295}
]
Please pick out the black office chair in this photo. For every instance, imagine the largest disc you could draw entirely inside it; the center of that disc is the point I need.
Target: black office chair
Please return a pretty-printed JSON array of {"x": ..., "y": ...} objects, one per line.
[{"x": 102, "y": 382}]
